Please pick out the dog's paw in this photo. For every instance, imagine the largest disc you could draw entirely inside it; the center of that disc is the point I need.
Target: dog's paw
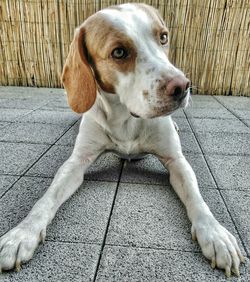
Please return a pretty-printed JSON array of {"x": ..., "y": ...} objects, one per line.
[
  {"x": 18, "y": 245},
  {"x": 218, "y": 245}
]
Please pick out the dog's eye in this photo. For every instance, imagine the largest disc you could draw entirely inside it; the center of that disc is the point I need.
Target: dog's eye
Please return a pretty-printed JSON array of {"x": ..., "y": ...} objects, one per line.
[
  {"x": 164, "y": 38},
  {"x": 119, "y": 53}
]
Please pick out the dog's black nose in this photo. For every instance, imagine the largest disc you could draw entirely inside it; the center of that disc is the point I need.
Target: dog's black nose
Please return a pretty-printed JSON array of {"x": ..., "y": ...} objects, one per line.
[{"x": 177, "y": 87}]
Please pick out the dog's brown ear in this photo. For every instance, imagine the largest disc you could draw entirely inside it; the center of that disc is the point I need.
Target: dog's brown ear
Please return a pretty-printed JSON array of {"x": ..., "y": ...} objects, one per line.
[{"x": 77, "y": 76}]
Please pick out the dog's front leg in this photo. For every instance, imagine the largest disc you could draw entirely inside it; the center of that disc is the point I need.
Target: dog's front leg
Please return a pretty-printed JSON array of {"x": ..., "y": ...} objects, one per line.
[
  {"x": 18, "y": 245},
  {"x": 217, "y": 243}
]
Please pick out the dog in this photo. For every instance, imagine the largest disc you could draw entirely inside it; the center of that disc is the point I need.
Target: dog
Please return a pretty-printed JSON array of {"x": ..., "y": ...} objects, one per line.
[{"x": 118, "y": 75}]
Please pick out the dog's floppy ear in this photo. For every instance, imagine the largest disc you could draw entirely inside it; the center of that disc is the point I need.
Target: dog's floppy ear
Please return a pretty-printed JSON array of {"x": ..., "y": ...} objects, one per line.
[{"x": 77, "y": 76}]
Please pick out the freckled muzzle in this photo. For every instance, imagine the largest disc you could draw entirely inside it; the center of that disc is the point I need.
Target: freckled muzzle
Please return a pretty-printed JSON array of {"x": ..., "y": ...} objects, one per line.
[{"x": 170, "y": 94}]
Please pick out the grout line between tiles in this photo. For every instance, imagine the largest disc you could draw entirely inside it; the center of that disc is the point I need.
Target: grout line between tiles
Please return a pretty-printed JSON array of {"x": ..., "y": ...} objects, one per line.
[
  {"x": 165, "y": 184},
  {"x": 33, "y": 143},
  {"x": 219, "y": 190},
  {"x": 29, "y": 111},
  {"x": 52, "y": 177},
  {"x": 231, "y": 111},
  {"x": 25, "y": 171},
  {"x": 72, "y": 145},
  {"x": 123, "y": 246},
  {"x": 71, "y": 242},
  {"x": 153, "y": 248},
  {"x": 108, "y": 224},
  {"x": 7, "y": 124},
  {"x": 7, "y": 190}
]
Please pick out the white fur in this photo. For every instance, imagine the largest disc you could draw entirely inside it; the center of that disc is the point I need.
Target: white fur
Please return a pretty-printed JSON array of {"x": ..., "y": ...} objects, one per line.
[
  {"x": 110, "y": 126},
  {"x": 152, "y": 65}
]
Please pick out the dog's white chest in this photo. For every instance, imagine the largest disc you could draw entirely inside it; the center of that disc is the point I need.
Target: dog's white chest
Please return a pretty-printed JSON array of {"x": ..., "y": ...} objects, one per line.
[{"x": 125, "y": 141}]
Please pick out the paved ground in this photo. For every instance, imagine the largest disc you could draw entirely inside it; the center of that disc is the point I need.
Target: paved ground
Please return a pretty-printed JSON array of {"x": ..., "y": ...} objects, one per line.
[{"x": 125, "y": 223}]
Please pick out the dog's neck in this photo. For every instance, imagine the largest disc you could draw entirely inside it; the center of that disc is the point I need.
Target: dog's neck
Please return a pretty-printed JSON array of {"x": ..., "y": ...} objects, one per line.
[
  {"x": 114, "y": 109},
  {"x": 114, "y": 117}
]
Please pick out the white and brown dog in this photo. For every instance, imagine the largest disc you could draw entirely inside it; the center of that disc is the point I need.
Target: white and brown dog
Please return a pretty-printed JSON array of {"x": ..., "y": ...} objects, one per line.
[{"x": 118, "y": 74}]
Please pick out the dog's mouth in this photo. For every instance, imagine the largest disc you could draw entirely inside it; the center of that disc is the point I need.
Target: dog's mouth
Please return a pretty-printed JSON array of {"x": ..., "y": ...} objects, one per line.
[
  {"x": 172, "y": 107},
  {"x": 134, "y": 115},
  {"x": 167, "y": 109},
  {"x": 159, "y": 112}
]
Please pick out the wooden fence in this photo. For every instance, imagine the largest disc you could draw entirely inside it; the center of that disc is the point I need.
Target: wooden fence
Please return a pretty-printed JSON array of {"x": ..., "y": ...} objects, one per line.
[{"x": 210, "y": 40}]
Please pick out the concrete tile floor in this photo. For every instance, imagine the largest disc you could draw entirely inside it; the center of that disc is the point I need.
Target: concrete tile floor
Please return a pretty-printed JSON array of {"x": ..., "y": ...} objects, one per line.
[{"x": 124, "y": 223}]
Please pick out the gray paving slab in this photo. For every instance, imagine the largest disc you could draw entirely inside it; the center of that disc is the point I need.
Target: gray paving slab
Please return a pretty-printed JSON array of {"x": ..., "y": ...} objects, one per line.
[
  {"x": 234, "y": 103},
  {"x": 178, "y": 113},
  {"x": 5, "y": 183},
  {"x": 188, "y": 142},
  {"x": 23, "y": 103},
  {"x": 50, "y": 162},
  {"x": 204, "y": 104},
  {"x": 147, "y": 170},
  {"x": 148, "y": 221},
  {"x": 220, "y": 113},
  {"x": 230, "y": 172},
  {"x": 83, "y": 218},
  {"x": 69, "y": 138},
  {"x": 16, "y": 157},
  {"x": 245, "y": 115},
  {"x": 12, "y": 114},
  {"x": 32, "y": 133},
  {"x": 137, "y": 264},
  {"x": 4, "y": 124},
  {"x": 58, "y": 104},
  {"x": 247, "y": 122},
  {"x": 219, "y": 125},
  {"x": 152, "y": 216},
  {"x": 202, "y": 98},
  {"x": 151, "y": 171},
  {"x": 32, "y": 98},
  {"x": 51, "y": 117},
  {"x": 201, "y": 170},
  {"x": 224, "y": 143},
  {"x": 12, "y": 92},
  {"x": 19, "y": 200},
  {"x": 107, "y": 167},
  {"x": 56, "y": 262},
  {"x": 238, "y": 203}
]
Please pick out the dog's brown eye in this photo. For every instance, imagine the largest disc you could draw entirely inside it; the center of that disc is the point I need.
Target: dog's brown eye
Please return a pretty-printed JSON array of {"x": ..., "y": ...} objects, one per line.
[
  {"x": 164, "y": 38},
  {"x": 119, "y": 53}
]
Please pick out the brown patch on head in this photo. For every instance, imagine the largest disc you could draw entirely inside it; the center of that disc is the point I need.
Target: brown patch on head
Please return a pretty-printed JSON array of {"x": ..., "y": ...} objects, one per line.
[{"x": 102, "y": 37}]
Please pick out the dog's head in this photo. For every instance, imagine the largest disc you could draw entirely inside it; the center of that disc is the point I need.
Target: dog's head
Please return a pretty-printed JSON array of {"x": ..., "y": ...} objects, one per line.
[{"x": 124, "y": 50}]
